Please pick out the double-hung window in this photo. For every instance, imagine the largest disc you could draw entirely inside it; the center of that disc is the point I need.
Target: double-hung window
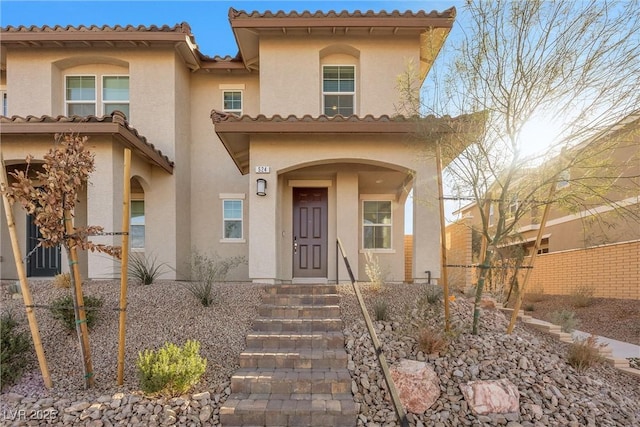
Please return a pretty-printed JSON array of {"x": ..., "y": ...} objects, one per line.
[
  {"x": 137, "y": 225},
  {"x": 376, "y": 224},
  {"x": 232, "y": 219},
  {"x": 90, "y": 95},
  {"x": 232, "y": 101},
  {"x": 338, "y": 89}
]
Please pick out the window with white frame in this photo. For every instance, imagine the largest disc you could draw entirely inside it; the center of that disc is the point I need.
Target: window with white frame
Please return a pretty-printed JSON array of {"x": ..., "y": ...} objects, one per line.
[
  {"x": 136, "y": 227},
  {"x": 338, "y": 89},
  {"x": 81, "y": 95},
  {"x": 232, "y": 219},
  {"x": 5, "y": 109},
  {"x": 232, "y": 101},
  {"x": 376, "y": 224}
]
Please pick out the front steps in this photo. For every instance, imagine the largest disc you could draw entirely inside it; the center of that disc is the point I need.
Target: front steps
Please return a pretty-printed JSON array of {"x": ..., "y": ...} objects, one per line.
[{"x": 294, "y": 369}]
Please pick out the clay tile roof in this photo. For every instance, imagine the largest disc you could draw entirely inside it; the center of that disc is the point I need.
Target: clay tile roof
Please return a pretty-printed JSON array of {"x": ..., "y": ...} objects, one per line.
[
  {"x": 178, "y": 28},
  {"x": 114, "y": 124},
  {"x": 449, "y": 13}
]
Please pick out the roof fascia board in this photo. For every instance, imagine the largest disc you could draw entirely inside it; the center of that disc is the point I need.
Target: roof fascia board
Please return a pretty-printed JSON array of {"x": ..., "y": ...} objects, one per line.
[
  {"x": 353, "y": 22},
  {"x": 62, "y": 36},
  {"x": 119, "y": 132}
]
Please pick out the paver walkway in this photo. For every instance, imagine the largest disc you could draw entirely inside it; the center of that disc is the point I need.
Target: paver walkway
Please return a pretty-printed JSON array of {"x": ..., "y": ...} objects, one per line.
[{"x": 294, "y": 369}]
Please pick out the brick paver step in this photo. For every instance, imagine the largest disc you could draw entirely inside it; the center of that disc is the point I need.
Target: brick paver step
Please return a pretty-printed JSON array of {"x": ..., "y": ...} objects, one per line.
[
  {"x": 302, "y": 289},
  {"x": 336, "y": 382},
  {"x": 295, "y": 340},
  {"x": 294, "y": 358},
  {"x": 289, "y": 410},
  {"x": 299, "y": 311},
  {"x": 296, "y": 299},
  {"x": 297, "y": 325}
]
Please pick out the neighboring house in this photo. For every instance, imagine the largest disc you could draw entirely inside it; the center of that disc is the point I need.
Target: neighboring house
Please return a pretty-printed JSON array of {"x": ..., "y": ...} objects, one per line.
[
  {"x": 589, "y": 240},
  {"x": 272, "y": 155}
]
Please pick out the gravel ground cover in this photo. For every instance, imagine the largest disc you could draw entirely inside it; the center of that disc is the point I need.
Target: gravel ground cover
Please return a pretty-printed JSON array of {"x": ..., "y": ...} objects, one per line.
[{"x": 552, "y": 393}]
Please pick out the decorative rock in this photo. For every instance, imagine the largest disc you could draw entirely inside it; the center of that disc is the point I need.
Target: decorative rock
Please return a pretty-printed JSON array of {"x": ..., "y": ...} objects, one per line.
[
  {"x": 205, "y": 414},
  {"x": 77, "y": 407},
  {"x": 201, "y": 396},
  {"x": 491, "y": 397},
  {"x": 417, "y": 384}
]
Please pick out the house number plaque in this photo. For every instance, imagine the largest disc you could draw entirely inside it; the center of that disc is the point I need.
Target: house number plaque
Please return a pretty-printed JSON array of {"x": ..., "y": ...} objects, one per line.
[{"x": 263, "y": 169}]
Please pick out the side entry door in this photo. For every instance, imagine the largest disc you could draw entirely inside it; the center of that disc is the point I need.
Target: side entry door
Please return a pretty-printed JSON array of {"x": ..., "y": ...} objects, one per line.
[{"x": 42, "y": 262}]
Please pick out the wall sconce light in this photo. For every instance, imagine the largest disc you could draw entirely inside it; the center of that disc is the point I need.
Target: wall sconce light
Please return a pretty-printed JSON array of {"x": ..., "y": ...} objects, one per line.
[{"x": 261, "y": 185}]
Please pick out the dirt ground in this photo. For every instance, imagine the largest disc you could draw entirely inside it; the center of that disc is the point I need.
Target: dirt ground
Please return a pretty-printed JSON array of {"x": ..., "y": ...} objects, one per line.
[{"x": 612, "y": 318}]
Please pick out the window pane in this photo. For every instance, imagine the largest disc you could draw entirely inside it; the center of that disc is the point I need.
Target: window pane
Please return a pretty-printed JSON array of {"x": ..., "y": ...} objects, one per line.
[
  {"x": 233, "y": 229},
  {"x": 137, "y": 236},
  {"x": 137, "y": 212},
  {"x": 232, "y": 209},
  {"x": 110, "y": 108},
  {"x": 377, "y": 237},
  {"x": 116, "y": 88},
  {"x": 81, "y": 88},
  {"x": 331, "y": 72},
  {"x": 338, "y": 104},
  {"x": 81, "y": 109},
  {"x": 232, "y": 100}
]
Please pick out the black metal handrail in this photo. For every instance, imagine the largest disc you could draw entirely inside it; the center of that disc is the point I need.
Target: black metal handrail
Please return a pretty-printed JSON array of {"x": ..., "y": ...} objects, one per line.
[{"x": 382, "y": 360}]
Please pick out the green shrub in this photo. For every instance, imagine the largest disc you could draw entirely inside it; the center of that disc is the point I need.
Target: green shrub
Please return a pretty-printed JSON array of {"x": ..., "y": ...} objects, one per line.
[
  {"x": 14, "y": 345},
  {"x": 584, "y": 353},
  {"x": 62, "y": 309},
  {"x": 381, "y": 310},
  {"x": 433, "y": 294},
  {"x": 172, "y": 370},
  {"x": 145, "y": 270},
  {"x": 566, "y": 319},
  {"x": 205, "y": 271}
]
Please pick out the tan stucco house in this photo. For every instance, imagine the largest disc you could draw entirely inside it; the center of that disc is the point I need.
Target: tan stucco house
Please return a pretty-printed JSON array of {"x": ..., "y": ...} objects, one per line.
[{"x": 272, "y": 155}]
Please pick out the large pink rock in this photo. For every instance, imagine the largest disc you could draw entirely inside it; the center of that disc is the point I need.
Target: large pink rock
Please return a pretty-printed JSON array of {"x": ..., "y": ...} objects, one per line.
[
  {"x": 491, "y": 397},
  {"x": 417, "y": 384}
]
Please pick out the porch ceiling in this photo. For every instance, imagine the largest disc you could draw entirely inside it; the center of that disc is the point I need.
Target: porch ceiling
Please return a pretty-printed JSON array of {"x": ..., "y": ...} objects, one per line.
[
  {"x": 114, "y": 126},
  {"x": 235, "y": 132}
]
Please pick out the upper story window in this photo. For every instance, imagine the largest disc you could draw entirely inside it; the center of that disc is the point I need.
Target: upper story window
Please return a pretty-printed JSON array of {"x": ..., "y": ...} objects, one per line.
[
  {"x": 232, "y": 101},
  {"x": 81, "y": 95},
  {"x": 338, "y": 89}
]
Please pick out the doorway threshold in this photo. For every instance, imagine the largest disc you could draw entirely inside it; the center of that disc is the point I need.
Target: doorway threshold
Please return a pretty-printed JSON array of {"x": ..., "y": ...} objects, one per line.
[{"x": 309, "y": 280}]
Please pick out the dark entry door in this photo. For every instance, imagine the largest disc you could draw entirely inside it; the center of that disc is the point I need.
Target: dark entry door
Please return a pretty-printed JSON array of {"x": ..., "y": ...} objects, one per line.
[
  {"x": 309, "y": 232},
  {"x": 43, "y": 262}
]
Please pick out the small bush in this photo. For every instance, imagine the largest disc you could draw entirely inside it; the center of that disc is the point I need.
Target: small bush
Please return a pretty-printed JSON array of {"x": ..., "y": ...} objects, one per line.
[
  {"x": 582, "y": 296},
  {"x": 172, "y": 370},
  {"x": 145, "y": 270},
  {"x": 431, "y": 341},
  {"x": 433, "y": 294},
  {"x": 584, "y": 353},
  {"x": 62, "y": 280},
  {"x": 62, "y": 309},
  {"x": 13, "y": 347},
  {"x": 374, "y": 271},
  {"x": 566, "y": 319},
  {"x": 381, "y": 310},
  {"x": 205, "y": 271}
]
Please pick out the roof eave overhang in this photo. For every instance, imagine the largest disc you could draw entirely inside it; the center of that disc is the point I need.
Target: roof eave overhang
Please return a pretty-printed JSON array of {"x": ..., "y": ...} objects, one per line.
[{"x": 115, "y": 130}]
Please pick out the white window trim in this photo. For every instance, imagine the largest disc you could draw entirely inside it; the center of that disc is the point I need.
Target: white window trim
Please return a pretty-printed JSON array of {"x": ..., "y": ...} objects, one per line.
[
  {"x": 377, "y": 198},
  {"x": 233, "y": 197},
  {"x": 143, "y": 249},
  {"x": 97, "y": 93},
  {"x": 233, "y": 111},
  {"x": 103, "y": 102},
  {"x": 84, "y": 101},
  {"x": 355, "y": 85}
]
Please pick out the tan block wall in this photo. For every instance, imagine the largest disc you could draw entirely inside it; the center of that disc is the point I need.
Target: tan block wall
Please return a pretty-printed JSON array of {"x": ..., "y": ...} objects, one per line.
[
  {"x": 612, "y": 270},
  {"x": 408, "y": 258},
  {"x": 459, "y": 252}
]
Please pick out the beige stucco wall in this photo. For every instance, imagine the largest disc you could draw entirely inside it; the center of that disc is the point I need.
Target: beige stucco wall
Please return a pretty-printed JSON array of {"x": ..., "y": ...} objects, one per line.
[{"x": 298, "y": 89}]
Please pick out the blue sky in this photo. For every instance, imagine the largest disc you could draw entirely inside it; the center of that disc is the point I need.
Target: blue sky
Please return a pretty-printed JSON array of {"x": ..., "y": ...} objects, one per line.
[{"x": 207, "y": 18}]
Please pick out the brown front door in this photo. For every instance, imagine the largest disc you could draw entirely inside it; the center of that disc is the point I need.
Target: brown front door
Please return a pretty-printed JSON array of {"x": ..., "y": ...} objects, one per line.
[{"x": 309, "y": 232}]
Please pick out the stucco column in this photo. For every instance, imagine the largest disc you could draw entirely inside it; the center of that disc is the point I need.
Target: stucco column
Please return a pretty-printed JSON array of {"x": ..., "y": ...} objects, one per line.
[
  {"x": 426, "y": 226},
  {"x": 347, "y": 222},
  {"x": 105, "y": 186},
  {"x": 263, "y": 253}
]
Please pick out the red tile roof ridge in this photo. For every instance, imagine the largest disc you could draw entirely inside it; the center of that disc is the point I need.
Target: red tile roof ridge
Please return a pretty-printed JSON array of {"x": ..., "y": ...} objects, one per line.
[
  {"x": 115, "y": 117},
  {"x": 221, "y": 116},
  {"x": 178, "y": 28},
  {"x": 234, "y": 13}
]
